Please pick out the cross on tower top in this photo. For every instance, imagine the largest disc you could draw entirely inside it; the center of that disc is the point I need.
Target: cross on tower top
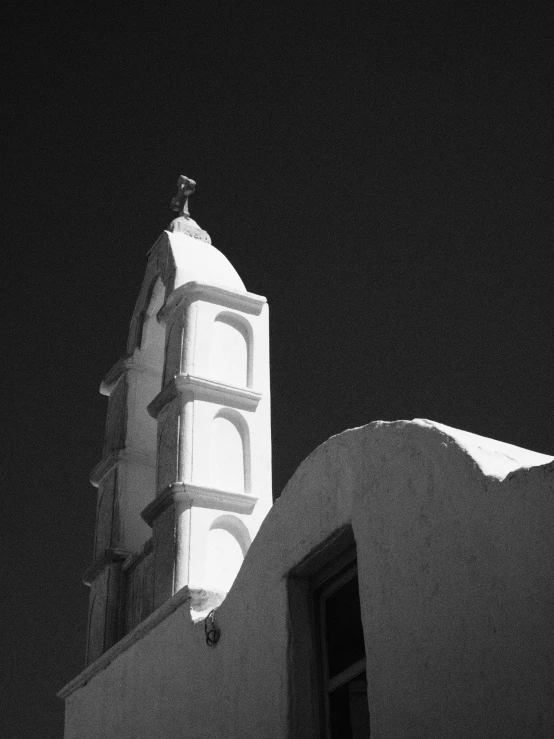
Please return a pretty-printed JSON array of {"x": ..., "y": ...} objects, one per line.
[{"x": 186, "y": 187}]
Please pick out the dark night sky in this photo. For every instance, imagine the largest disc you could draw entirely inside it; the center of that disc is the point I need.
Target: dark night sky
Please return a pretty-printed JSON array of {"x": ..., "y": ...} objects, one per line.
[{"x": 383, "y": 175}]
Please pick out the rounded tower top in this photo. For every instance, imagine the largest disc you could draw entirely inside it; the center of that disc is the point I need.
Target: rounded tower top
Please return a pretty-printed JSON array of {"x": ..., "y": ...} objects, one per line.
[{"x": 196, "y": 260}]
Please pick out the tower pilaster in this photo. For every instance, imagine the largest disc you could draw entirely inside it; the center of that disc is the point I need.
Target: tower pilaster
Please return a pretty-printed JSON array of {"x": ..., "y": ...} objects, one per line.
[{"x": 213, "y": 485}]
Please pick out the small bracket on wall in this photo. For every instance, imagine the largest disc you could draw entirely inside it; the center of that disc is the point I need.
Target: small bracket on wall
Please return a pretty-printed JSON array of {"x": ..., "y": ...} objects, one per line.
[{"x": 210, "y": 629}]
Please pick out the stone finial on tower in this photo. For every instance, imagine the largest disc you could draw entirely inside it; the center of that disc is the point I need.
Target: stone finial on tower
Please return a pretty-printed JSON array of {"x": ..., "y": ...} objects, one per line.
[
  {"x": 184, "y": 223},
  {"x": 180, "y": 202}
]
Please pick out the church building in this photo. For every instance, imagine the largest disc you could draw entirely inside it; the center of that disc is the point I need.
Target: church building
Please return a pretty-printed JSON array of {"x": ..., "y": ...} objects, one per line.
[{"x": 401, "y": 587}]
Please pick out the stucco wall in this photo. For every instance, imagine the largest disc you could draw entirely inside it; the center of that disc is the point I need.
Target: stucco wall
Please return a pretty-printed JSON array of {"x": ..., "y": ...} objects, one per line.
[{"x": 454, "y": 538}]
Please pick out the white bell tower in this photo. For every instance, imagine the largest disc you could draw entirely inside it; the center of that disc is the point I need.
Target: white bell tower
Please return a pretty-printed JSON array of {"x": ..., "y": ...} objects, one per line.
[{"x": 185, "y": 481}]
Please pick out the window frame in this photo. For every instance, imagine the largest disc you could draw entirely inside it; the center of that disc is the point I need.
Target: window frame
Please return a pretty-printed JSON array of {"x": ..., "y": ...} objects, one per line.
[
  {"x": 322, "y": 585},
  {"x": 325, "y": 566}
]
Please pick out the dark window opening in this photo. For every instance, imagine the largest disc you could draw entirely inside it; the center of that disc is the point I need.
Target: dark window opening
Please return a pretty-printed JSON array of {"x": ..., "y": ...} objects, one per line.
[
  {"x": 348, "y": 711},
  {"x": 342, "y": 655}
]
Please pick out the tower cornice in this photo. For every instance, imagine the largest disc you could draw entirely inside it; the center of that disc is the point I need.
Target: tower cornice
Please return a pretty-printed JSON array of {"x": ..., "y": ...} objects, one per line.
[
  {"x": 201, "y": 496},
  {"x": 224, "y": 296},
  {"x": 202, "y": 388}
]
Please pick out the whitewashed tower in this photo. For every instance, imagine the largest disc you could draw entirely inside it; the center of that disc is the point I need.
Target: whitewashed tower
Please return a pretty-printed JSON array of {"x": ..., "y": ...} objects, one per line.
[{"x": 185, "y": 479}]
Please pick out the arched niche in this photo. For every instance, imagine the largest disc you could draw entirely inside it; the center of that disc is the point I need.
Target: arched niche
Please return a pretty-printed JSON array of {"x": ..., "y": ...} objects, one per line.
[
  {"x": 230, "y": 452},
  {"x": 236, "y": 527},
  {"x": 226, "y": 546},
  {"x": 231, "y": 350}
]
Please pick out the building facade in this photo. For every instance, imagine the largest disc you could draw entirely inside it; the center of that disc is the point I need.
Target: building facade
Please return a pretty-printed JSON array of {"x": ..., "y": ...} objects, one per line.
[{"x": 401, "y": 586}]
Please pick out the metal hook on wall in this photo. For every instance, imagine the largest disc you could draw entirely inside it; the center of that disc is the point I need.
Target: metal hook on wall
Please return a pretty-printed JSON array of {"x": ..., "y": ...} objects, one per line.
[{"x": 210, "y": 629}]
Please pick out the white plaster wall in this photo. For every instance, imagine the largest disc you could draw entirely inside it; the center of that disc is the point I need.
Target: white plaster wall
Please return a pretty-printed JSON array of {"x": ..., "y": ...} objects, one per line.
[
  {"x": 227, "y": 466},
  {"x": 229, "y": 351},
  {"x": 455, "y": 573},
  {"x": 260, "y": 461},
  {"x": 223, "y": 560}
]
